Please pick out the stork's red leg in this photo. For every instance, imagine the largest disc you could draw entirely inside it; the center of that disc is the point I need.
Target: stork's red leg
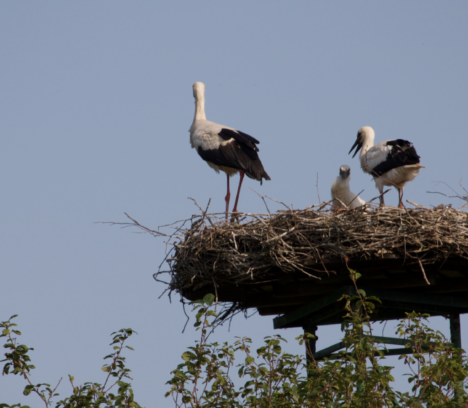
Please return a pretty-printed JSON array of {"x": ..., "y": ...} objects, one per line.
[
  {"x": 238, "y": 190},
  {"x": 400, "y": 195},
  {"x": 228, "y": 196}
]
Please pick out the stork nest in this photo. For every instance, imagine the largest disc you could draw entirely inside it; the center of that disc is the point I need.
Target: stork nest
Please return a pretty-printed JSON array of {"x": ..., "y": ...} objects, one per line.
[{"x": 208, "y": 250}]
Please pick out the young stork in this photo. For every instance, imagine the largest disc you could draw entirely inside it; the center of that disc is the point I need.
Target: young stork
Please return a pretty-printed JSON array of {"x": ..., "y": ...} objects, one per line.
[
  {"x": 391, "y": 162},
  {"x": 224, "y": 148},
  {"x": 341, "y": 194}
]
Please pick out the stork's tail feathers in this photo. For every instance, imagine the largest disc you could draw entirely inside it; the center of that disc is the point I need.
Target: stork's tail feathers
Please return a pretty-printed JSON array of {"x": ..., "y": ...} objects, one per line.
[
  {"x": 256, "y": 171},
  {"x": 264, "y": 176},
  {"x": 416, "y": 166}
]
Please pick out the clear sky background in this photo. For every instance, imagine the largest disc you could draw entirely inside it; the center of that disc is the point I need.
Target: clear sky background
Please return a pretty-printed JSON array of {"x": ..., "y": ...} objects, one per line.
[{"x": 96, "y": 102}]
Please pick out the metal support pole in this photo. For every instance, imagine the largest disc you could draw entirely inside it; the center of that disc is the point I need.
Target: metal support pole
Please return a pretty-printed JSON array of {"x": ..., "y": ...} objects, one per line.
[
  {"x": 455, "y": 333},
  {"x": 455, "y": 338},
  {"x": 311, "y": 345}
]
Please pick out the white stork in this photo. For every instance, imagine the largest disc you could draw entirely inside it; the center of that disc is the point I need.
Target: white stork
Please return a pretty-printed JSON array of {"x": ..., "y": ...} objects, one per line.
[
  {"x": 223, "y": 147},
  {"x": 391, "y": 162},
  {"x": 341, "y": 194}
]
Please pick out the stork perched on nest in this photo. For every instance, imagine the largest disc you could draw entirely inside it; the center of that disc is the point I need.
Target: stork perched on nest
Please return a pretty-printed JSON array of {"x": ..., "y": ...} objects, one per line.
[
  {"x": 391, "y": 162},
  {"x": 341, "y": 194},
  {"x": 224, "y": 148}
]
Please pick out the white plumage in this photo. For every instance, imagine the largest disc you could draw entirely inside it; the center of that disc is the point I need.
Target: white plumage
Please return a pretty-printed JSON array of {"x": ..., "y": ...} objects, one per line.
[
  {"x": 341, "y": 194},
  {"x": 224, "y": 148},
  {"x": 391, "y": 162}
]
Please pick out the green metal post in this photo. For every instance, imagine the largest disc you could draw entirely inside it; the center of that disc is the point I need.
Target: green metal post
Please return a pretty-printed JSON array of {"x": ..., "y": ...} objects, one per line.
[
  {"x": 311, "y": 345},
  {"x": 455, "y": 338},
  {"x": 455, "y": 333}
]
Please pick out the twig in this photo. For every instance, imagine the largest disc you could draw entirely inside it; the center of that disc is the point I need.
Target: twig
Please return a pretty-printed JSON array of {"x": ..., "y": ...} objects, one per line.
[
  {"x": 201, "y": 209},
  {"x": 318, "y": 191},
  {"x": 216, "y": 289},
  {"x": 416, "y": 205},
  {"x": 263, "y": 198},
  {"x": 457, "y": 195},
  {"x": 279, "y": 202},
  {"x": 423, "y": 272},
  {"x": 355, "y": 198},
  {"x": 380, "y": 195},
  {"x": 324, "y": 205},
  {"x": 279, "y": 236},
  {"x": 186, "y": 315}
]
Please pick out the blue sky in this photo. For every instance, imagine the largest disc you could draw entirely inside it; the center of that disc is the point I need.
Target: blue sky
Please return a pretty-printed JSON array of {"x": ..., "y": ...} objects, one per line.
[{"x": 96, "y": 103}]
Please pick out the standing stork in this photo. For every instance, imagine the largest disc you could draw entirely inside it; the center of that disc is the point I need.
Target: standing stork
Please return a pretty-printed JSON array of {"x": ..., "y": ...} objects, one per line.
[
  {"x": 224, "y": 148},
  {"x": 341, "y": 194},
  {"x": 391, "y": 162}
]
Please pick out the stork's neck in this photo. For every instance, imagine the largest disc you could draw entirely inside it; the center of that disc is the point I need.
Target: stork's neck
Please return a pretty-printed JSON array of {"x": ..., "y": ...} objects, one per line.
[
  {"x": 344, "y": 183},
  {"x": 199, "y": 108},
  {"x": 368, "y": 143}
]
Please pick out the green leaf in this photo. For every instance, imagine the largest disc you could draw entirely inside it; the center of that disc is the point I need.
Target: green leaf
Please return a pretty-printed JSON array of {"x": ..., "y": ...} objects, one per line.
[
  {"x": 28, "y": 389},
  {"x": 208, "y": 299},
  {"x": 186, "y": 356},
  {"x": 6, "y": 332},
  {"x": 241, "y": 372}
]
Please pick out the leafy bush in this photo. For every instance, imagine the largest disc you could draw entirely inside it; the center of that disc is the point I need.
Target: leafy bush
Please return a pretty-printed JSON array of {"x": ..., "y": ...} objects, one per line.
[
  {"x": 86, "y": 395},
  {"x": 271, "y": 377},
  {"x": 352, "y": 378}
]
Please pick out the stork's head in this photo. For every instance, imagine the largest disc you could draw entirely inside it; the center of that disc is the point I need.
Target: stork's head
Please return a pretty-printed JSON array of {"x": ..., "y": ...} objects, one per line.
[
  {"x": 198, "y": 89},
  {"x": 365, "y": 134},
  {"x": 345, "y": 171}
]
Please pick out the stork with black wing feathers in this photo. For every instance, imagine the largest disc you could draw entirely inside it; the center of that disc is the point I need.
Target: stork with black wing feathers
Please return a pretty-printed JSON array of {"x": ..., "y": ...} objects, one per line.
[
  {"x": 391, "y": 162},
  {"x": 224, "y": 148}
]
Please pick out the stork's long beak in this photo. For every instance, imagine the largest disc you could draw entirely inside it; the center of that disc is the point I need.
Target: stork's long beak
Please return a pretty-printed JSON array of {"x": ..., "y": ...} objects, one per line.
[
  {"x": 357, "y": 145},
  {"x": 345, "y": 174}
]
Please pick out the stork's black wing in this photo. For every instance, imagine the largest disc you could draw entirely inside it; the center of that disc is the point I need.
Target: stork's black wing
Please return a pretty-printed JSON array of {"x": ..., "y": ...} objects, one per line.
[
  {"x": 241, "y": 138},
  {"x": 401, "y": 154},
  {"x": 240, "y": 154}
]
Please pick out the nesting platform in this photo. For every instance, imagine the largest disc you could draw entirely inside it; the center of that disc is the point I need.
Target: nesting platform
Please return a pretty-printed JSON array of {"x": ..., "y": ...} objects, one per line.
[
  {"x": 291, "y": 290},
  {"x": 278, "y": 263},
  {"x": 296, "y": 264}
]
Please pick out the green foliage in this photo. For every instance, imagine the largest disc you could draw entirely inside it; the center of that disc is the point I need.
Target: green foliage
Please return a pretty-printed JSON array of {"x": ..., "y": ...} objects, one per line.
[
  {"x": 354, "y": 377},
  {"x": 270, "y": 377},
  {"x": 438, "y": 371},
  {"x": 88, "y": 395}
]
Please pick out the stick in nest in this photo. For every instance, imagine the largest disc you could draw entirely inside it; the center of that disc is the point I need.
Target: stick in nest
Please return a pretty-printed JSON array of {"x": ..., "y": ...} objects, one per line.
[
  {"x": 263, "y": 198},
  {"x": 423, "y": 272}
]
